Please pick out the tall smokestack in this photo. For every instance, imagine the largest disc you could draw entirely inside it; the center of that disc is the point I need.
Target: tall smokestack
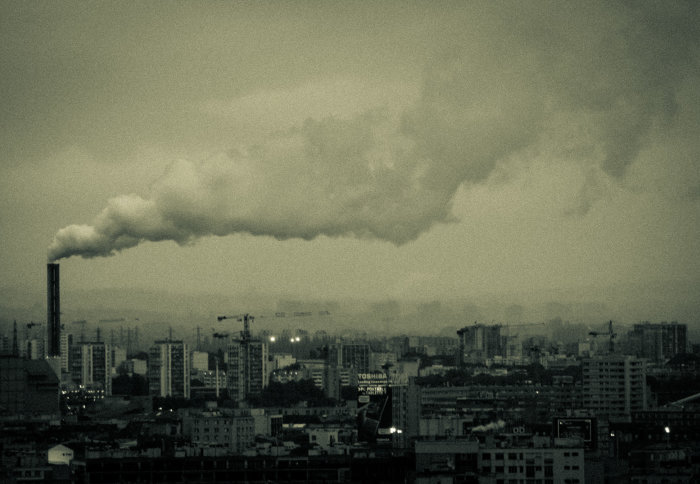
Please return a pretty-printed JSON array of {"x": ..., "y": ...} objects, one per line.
[
  {"x": 53, "y": 313},
  {"x": 15, "y": 347}
]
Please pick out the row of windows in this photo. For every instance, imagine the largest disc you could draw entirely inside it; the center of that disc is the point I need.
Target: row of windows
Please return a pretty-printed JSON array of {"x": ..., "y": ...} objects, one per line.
[
  {"x": 536, "y": 481},
  {"x": 226, "y": 429},
  {"x": 515, "y": 456}
]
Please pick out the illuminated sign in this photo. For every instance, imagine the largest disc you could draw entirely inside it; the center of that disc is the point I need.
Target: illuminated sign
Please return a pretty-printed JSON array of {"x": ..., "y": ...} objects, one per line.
[{"x": 371, "y": 383}]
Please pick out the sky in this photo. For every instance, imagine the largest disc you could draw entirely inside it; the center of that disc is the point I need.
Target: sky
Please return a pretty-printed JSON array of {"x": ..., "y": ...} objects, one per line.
[{"x": 410, "y": 151}]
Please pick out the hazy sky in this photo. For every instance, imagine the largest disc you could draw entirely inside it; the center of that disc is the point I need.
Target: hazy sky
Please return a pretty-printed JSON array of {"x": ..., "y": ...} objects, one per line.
[{"x": 350, "y": 149}]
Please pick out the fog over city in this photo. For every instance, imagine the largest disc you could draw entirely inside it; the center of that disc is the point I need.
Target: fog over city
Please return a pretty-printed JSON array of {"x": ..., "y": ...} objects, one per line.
[
  {"x": 471, "y": 154},
  {"x": 350, "y": 242}
]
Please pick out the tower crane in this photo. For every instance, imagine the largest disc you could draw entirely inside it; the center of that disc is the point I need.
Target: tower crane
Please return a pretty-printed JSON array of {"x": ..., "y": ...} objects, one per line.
[
  {"x": 246, "y": 318},
  {"x": 610, "y": 333}
]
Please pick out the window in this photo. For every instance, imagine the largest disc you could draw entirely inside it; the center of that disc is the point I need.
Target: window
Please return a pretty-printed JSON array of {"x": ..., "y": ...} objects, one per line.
[
  {"x": 486, "y": 456},
  {"x": 512, "y": 456}
]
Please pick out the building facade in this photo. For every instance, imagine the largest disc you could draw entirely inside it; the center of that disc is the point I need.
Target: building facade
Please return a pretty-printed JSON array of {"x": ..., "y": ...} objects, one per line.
[
  {"x": 247, "y": 368},
  {"x": 479, "y": 343},
  {"x": 91, "y": 366},
  {"x": 659, "y": 342},
  {"x": 614, "y": 386},
  {"x": 169, "y": 369},
  {"x": 350, "y": 355}
]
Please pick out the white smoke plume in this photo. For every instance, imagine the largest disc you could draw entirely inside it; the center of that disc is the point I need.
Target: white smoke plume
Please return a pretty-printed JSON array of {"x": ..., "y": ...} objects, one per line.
[
  {"x": 615, "y": 68},
  {"x": 499, "y": 424}
]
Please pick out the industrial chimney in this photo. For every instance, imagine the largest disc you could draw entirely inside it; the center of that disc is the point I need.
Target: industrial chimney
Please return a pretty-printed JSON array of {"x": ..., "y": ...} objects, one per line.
[{"x": 53, "y": 313}]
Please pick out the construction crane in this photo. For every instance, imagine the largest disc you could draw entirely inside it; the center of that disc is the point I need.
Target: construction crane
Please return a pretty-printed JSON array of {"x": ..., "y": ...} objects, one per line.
[
  {"x": 245, "y": 318},
  {"x": 610, "y": 333}
]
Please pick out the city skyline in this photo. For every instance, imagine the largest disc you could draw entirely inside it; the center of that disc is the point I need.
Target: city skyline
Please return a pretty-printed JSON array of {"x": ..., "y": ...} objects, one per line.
[{"x": 396, "y": 152}]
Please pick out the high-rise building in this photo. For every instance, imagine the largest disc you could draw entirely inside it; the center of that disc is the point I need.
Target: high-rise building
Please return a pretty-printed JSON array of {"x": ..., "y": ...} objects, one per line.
[
  {"x": 613, "y": 386},
  {"x": 247, "y": 368},
  {"x": 478, "y": 343},
  {"x": 169, "y": 369},
  {"x": 350, "y": 355},
  {"x": 659, "y": 342},
  {"x": 406, "y": 403},
  {"x": 53, "y": 312},
  {"x": 35, "y": 349},
  {"x": 118, "y": 356},
  {"x": 66, "y": 342},
  {"x": 91, "y": 366}
]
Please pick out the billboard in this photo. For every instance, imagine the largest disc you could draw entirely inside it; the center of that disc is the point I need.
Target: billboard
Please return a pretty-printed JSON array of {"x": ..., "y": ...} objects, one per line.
[
  {"x": 584, "y": 428},
  {"x": 374, "y": 419}
]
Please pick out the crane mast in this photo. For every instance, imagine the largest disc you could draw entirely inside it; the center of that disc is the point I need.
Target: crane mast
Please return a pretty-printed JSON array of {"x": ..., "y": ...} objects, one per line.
[
  {"x": 246, "y": 318},
  {"x": 610, "y": 333}
]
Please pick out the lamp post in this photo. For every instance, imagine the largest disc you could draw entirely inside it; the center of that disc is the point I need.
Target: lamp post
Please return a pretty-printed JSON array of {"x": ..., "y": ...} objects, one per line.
[{"x": 667, "y": 430}]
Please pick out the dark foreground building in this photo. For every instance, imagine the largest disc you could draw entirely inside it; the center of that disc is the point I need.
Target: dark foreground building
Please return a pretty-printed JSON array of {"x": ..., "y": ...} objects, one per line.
[
  {"x": 27, "y": 387},
  {"x": 261, "y": 469}
]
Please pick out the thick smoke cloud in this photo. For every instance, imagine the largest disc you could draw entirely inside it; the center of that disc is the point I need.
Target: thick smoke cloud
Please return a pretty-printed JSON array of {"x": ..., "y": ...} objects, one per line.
[{"x": 615, "y": 69}]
